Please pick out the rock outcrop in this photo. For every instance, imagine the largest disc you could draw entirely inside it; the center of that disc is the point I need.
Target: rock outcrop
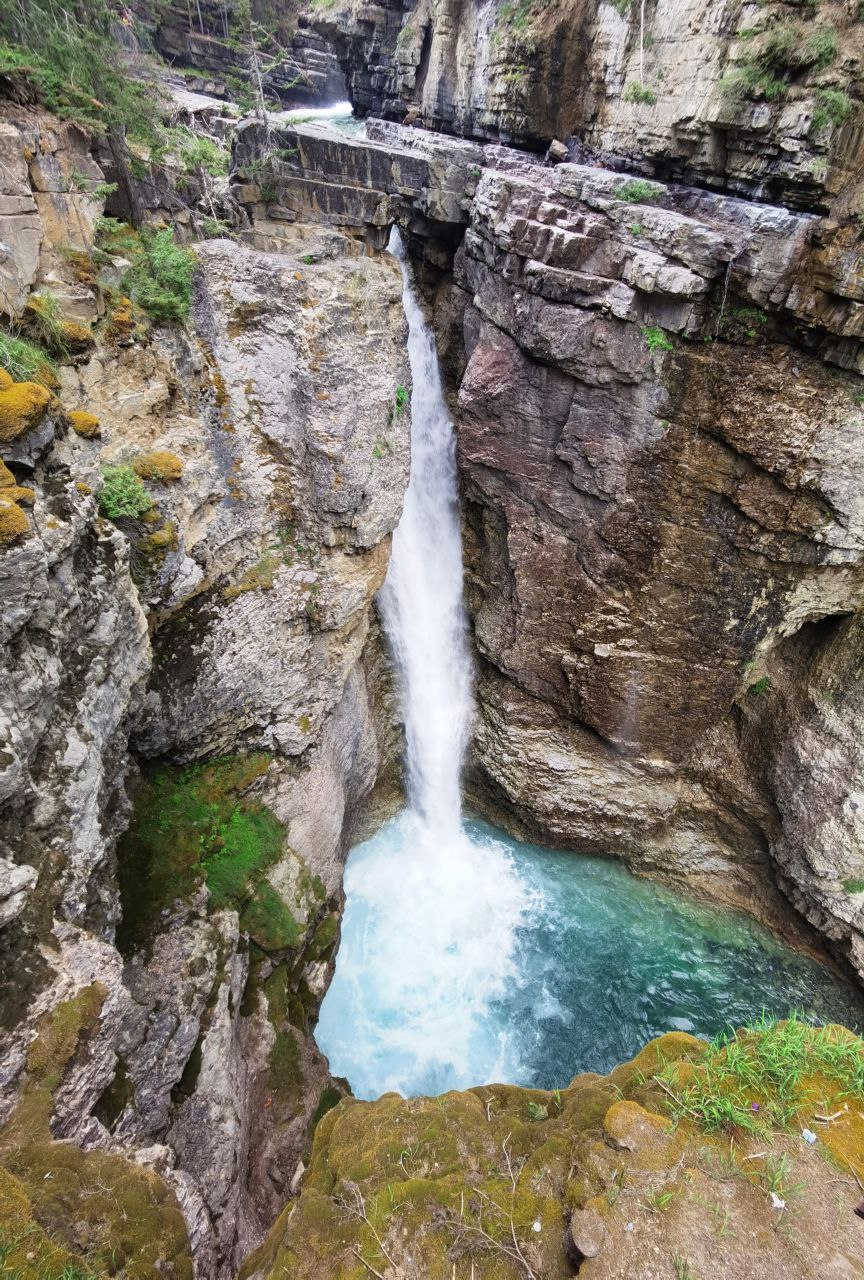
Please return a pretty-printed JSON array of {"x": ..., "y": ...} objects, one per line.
[
  {"x": 750, "y": 99},
  {"x": 594, "y": 1178},
  {"x": 227, "y": 624}
]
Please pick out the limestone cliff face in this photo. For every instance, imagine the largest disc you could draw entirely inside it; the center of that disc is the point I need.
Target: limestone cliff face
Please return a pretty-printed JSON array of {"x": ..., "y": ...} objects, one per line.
[
  {"x": 731, "y": 94},
  {"x": 645, "y": 527},
  {"x": 231, "y": 621}
]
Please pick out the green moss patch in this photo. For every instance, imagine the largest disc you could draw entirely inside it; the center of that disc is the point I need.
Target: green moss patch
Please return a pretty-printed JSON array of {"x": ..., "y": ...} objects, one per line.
[{"x": 196, "y": 824}]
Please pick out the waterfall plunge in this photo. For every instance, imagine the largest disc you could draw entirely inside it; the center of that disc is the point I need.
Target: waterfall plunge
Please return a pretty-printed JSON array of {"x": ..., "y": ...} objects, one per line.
[
  {"x": 421, "y": 601},
  {"x": 431, "y": 915}
]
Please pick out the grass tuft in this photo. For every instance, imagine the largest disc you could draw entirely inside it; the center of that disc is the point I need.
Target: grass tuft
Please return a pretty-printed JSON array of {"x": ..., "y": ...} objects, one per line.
[{"x": 766, "y": 1075}]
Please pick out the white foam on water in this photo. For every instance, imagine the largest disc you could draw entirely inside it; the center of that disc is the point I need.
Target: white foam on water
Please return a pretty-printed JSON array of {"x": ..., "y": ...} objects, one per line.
[{"x": 427, "y": 948}]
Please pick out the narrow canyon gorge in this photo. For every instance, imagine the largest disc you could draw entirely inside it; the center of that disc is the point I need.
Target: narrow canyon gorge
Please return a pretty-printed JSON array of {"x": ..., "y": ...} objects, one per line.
[{"x": 410, "y": 408}]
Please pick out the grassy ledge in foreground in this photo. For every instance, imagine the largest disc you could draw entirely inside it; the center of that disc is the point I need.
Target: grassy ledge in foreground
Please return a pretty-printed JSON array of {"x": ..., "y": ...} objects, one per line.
[{"x": 692, "y": 1160}]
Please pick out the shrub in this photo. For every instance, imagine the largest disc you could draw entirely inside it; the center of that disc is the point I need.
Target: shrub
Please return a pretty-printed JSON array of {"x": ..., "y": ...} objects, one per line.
[
  {"x": 160, "y": 464},
  {"x": 636, "y": 92},
  {"x": 638, "y": 191},
  {"x": 656, "y": 339},
  {"x": 71, "y": 57},
  {"x": 750, "y": 81},
  {"x": 819, "y": 48},
  {"x": 832, "y": 107},
  {"x": 122, "y": 494},
  {"x": 194, "y": 151},
  {"x": 160, "y": 280},
  {"x": 760, "y": 687}
]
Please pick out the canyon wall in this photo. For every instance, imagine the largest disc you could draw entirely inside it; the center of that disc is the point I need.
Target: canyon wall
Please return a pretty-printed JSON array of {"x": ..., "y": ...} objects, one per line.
[
  {"x": 228, "y": 620},
  {"x": 652, "y": 350},
  {"x": 657, "y": 404}
]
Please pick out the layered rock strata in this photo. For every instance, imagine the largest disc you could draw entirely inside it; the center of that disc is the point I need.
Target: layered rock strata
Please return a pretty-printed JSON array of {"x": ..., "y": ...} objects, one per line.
[
  {"x": 737, "y": 97},
  {"x": 227, "y": 625}
]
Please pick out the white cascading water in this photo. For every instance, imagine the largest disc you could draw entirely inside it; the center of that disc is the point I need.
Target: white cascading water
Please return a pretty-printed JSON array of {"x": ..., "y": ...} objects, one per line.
[
  {"x": 421, "y": 601},
  {"x": 431, "y": 916}
]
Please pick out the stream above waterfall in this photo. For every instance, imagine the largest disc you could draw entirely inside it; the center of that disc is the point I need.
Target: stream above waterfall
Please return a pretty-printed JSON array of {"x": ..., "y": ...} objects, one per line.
[{"x": 492, "y": 960}]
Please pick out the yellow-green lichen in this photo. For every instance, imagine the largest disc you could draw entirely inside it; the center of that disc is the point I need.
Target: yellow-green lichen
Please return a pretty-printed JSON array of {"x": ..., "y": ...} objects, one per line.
[
  {"x": 23, "y": 405},
  {"x": 158, "y": 464},
  {"x": 84, "y": 424}
]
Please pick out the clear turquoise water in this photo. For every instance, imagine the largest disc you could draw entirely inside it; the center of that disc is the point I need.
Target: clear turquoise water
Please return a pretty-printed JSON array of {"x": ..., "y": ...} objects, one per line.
[{"x": 496, "y": 960}]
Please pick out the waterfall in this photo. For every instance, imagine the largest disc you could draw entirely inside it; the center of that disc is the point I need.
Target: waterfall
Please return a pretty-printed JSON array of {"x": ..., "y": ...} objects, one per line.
[
  {"x": 421, "y": 600},
  {"x": 432, "y": 911}
]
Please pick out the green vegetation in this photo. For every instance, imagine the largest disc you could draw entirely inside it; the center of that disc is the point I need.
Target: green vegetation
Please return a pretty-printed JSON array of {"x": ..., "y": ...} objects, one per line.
[
  {"x": 832, "y": 107},
  {"x": 636, "y": 92},
  {"x": 514, "y": 15},
  {"x": 402, "y": 398},
  {"x": 656, "y": 339},
  {"x": 638, "y": 191},
  {"x": 196, "y": 824},
  {"x": 160, "y": 279},
  {"x": 25, "y": 361},
  {"x": 779, "y": 52},
  {"x": 70, "y": 55},
  {"x": 69, "y": 1214},
  {"x": 122, "y": 494},
  {"x": 636, "y": 229},
  {"x": 853, "y": 886},
  {"x": 736, "y": 324},
  {"x": 760, "y": 686},
  {"x": 195, "y": 151},
  {"x": 51, "y": 329},
  {"x": 682, "y": 1269},
  {"x": 767, "y": 1076}
]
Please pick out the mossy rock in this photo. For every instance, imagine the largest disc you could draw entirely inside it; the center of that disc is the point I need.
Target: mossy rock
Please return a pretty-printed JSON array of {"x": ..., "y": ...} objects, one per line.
[
  {"x": 6, "y": 380},
  {"x": 193, "y": 825},
  {"x": 423, "y": 1185},
  {"x": 13, "y": 522},
  {"x": 84, "y": 424},
  {"x": 23, "y": 405},
  {"x": 7, "y": 478},
  {"x": 67, "y": 1214},
  {"x": 159, "y": 464}
]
